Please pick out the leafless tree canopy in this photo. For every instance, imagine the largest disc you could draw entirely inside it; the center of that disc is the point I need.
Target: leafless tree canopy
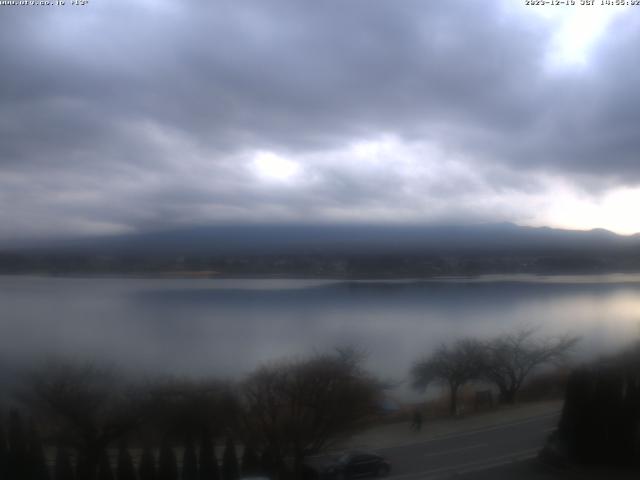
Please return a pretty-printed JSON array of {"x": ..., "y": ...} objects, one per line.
[
  {"x": 85, "y": 406},
  {"x": 506, "y": 361},
  {"x": 453, "y": 365},
  {"x": 511, "y": 357},
  {"x": 299, "y": 407},
  {"x": 82, "y": 398}
]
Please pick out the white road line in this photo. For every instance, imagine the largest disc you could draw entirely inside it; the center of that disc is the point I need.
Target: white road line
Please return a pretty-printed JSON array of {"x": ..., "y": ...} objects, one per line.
[
  {"x": 468, "y": 467},
  {"x": 524, "y": 455},
  {"x": 456, "y": 450}
]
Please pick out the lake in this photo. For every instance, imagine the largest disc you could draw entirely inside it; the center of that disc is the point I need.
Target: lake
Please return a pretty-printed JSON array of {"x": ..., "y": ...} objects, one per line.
[{"x": 227, "y": 327}]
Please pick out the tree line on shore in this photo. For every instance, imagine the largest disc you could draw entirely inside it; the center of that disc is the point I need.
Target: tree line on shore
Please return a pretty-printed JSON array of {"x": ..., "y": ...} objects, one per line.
[
  {"x": 505, "y": 361},
  {"x": 22, "y": 456},
  {"x": 99, "y": 426},
  {"x": 280, "y": 414}
]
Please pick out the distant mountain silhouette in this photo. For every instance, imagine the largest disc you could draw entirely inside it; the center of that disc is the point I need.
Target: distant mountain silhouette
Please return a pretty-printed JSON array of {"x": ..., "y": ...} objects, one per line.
[
  {"x": 496, "y": 247},
  {"x": 332, "y": 239}
]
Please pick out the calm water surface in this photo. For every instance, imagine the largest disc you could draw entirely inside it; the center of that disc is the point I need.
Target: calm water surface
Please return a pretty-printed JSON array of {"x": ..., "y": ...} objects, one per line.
[{"x": 227, "y": 327}]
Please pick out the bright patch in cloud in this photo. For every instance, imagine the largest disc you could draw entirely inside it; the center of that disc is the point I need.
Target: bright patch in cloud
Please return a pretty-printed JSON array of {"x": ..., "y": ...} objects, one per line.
[
  {"x": 374, "y": 149},
  {"x": 580, "y": 30},
  {"x": 576, "y": 29},
  {"x": 269, "y": 166}
]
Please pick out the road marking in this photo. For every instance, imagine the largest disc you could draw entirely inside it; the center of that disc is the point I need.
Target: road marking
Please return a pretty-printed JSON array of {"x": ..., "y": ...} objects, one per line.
[
  {"x": 505, "y": 460},
  {"x": 455, "y": 450},
  {"x": 468, "y": 467},
  {"x": 467, "y": 433}
]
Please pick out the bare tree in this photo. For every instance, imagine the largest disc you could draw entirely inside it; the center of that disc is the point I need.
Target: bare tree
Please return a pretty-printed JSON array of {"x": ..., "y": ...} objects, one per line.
[
  {"x": 451, "y": 365},
  {"x": 511, "y": 357},
  {"x": 299, "y": 407},
  {"x": 87, "y": 406}
]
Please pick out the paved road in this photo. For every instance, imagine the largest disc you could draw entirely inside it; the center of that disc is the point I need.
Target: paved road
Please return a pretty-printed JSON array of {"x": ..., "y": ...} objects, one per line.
[{"x": 469, "y": 451}]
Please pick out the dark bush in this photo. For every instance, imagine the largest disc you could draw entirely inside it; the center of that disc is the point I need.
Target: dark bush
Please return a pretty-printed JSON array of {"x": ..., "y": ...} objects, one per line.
[
  {"x": 37, "y": 463},
  {"x": 62, "y": 469},
  {"x": 17, "y": 458},
  {"x": 208, "y": 461},
  {"x": 125, "y": 469},
  {"x": 83, "y": 470},
  {"x": 147, "y": 468},
  {"x": 189, "y": 462},
  {"x": 269, "y": 464},
  {"x": 600, "y": 422},
  {"x": 105, "y": 471},
  {"x": 230, "y": 469},
  {"x": 4, "y": 451},
  {"x": 250, "y": 462},
  {"x": 167, "y": 463}
]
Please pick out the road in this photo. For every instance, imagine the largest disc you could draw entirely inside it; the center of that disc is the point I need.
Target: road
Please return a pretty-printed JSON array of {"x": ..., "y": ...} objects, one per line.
[{"x": 470, "y": 451}]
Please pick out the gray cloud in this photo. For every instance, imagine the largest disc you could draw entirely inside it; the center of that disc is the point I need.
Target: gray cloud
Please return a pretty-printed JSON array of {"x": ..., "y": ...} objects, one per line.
[{"x": 133, "y": 115}]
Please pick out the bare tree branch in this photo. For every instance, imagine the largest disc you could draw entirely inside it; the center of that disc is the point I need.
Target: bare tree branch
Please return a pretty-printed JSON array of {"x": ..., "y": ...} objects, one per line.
[
  {"x": 510, "y": 358},
  {"x": 454, "y": 366}
]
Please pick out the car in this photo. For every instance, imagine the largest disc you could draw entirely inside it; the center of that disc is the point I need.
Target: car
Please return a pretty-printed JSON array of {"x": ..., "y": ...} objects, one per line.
[{"x": 356, "y": 464}]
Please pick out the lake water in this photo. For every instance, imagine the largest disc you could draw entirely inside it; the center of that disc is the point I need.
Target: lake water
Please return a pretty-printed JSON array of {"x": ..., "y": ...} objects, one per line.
[{"x": 227, "y": 327}]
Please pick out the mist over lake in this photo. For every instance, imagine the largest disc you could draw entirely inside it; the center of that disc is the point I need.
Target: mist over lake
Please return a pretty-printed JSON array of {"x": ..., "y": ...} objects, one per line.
[{"x": 227, "y": 327}]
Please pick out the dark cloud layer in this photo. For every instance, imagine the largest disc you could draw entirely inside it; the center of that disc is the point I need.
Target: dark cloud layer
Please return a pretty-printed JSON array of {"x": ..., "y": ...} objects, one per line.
[{"x": 129, "y": 115}]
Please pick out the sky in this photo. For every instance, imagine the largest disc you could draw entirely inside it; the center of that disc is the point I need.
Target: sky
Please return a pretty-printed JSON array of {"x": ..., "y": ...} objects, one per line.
[{"x": 129, "y": 116}]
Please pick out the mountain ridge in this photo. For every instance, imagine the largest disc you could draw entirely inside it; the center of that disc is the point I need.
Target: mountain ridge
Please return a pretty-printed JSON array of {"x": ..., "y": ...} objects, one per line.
[
  {"x": 335, "y": 251},
  {"x": 335, "y": 238}
]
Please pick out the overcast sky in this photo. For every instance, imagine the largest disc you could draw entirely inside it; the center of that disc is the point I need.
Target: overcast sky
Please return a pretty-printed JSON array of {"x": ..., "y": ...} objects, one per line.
[{"x": 127, "y": 115}]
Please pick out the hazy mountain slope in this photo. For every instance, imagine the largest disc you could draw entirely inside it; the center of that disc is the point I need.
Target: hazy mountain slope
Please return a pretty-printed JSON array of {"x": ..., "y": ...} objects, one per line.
[
  {"x": 336, "y": 250},
  {"x": 331, "y": 239}
]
